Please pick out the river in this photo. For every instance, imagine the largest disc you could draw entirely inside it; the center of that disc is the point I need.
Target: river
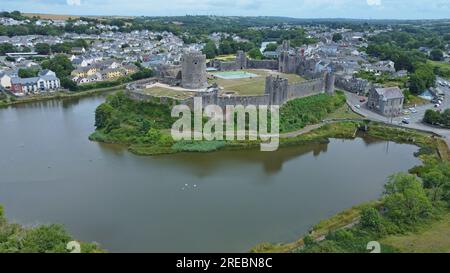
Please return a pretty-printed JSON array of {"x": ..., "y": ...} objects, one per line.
[{"x": 224, "y": 201}]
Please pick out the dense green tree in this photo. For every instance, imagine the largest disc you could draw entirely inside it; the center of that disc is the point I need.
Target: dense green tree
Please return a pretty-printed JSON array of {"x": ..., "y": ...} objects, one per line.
[
  {"x": 337, "y": 37},
  {"x": 432, "y": 117},
  {"x": 371, "y": 219},
  {"x": 436, "y": 55},
  {"x": 271, "y": 47},
  {"x": 225, "y": 48},
  {"x": 422, "y": 79},
  {"x": 405, "y": 200},
  {"x": 103, "y": 114},
  {"x": 6, "y": 48},
  {"x": 28, "y": 72},
  {"x": 255, "y": 53},
  {"x": 210, "y": 50},
  {"x": 42, "y": 48},
  {"x": 59, "y": 64}
]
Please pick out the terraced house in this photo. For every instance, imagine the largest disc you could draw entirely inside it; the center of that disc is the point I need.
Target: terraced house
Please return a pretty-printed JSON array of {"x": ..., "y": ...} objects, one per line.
[{"x": 34, "y": 85}]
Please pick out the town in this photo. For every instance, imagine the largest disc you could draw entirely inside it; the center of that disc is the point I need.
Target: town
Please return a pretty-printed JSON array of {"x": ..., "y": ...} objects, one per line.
[{"x": 213, "y": 133}]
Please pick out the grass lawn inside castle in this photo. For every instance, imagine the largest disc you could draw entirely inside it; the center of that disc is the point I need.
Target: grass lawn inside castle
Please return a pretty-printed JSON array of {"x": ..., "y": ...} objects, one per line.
[
  {"x": 246, "y": 86},
  {"x": 250, "y": 86}
]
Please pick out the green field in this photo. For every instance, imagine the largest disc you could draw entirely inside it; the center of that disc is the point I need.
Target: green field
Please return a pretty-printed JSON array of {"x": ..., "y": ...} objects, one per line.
[
  {"x": 432, "y": 239},
  {"x": 252, "y": 86},
  {"x": 166, "y": 92}
]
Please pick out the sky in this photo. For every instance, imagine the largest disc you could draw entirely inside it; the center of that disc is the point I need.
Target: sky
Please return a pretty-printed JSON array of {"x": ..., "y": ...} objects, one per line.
[{"x": 364, "y": 9}]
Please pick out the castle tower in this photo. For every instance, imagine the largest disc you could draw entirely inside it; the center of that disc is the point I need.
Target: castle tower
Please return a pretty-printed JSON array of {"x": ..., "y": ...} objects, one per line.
[
  {"x": 193, "y": 71},
  {"x": 329, "y": 82},
  {"x": 277, "y": 89},
  {"x": 241, "y": 60},
  {"x": 286, "y": 46}
]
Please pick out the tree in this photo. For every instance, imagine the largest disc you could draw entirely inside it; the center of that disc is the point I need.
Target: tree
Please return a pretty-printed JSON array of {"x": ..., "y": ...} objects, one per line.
[
  {"x": 210, "y": 50},
  {"x": 337, "y": 37},
  {"x": 405, "y": 200},
  {"x": 371, "y": 219},
  {"x": 42, "y": 48},
  {"x": 52, "y": 238},
  {"x": 225, "y": 48},
  {"x": 436, "y": 55},
  {"x": 445, "y": 118},
  {"x": 432, "y": 117},
  {"x": 255, "y": 53},
  {"x": 422, "y": 79},
  {"x": 6, "y": 48},
  {"x": 271, "y": 47},
  {"x": 59, "y": 64},
  {"x": 102, "y": 115},
  {"x": 28, "y": 73}
]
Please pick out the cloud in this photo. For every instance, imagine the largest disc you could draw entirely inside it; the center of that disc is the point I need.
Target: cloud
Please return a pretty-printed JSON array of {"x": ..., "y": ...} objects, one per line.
[
  {"x": 374, "y": 2},
  {"x": 73, "y": 2}
]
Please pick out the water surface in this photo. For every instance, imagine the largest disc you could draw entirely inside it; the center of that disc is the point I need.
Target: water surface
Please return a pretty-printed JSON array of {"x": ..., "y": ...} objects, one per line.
[{"x": 215, "y": 202}]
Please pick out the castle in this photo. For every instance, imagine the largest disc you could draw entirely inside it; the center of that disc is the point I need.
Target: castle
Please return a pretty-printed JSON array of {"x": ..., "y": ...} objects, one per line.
[{"x": 278, "y": 90}]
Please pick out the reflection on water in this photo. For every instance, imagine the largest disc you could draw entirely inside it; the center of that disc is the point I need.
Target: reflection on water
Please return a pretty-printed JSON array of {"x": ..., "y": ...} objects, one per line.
[{"x": 192, "y": 202}]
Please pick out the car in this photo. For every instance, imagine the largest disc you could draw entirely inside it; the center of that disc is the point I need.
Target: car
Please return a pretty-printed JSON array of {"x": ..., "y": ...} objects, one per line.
[
  {"x": 406, "y": 112},
  {"x": 413, "y": 110},
  {"x": 405, "y": 121},
  {"x": 358, "y": 106},
  {"x": 437, "y": 105},
  {"x": 362, "y": 100}
]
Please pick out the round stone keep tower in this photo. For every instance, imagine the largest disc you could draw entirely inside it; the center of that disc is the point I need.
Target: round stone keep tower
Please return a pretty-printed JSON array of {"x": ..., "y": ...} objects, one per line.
[{"x": 193, "y": 71}]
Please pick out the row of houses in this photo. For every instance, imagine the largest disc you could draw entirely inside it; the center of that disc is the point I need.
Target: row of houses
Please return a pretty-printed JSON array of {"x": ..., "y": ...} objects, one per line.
[
  {"x": 109, "y": 70},
  {"x": 45, "y": 82}
]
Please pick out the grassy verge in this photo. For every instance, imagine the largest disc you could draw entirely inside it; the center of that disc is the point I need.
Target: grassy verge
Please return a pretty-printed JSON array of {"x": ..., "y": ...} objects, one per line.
[
  {"x": 338, "y": 221},
  {"x": 433, "y": 238},
  {"x": 344, "y": 112}
]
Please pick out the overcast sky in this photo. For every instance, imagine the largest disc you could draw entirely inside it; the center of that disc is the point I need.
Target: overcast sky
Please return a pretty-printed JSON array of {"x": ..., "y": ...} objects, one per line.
[{"x": 370, "y": 9}]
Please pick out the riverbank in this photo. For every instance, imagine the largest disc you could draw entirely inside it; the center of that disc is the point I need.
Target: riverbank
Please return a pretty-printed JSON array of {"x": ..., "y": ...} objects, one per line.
[
  {"x": 15, "y": 238},
  {"x": 60, "y": 95}
]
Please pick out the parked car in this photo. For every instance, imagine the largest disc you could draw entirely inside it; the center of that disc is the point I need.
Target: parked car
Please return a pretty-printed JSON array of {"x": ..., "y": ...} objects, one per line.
[
  {"x": 358, "y": 106},
  {"x": 413, "y": 110},
  {"x": 362, "y": 100},
  {"x": 405, "y": 121}
]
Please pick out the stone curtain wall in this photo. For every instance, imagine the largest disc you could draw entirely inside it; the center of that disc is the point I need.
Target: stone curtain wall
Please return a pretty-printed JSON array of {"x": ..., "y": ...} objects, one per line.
[
  {"x": 307, "y": 88},
  {"x": 262, "y": 64}
]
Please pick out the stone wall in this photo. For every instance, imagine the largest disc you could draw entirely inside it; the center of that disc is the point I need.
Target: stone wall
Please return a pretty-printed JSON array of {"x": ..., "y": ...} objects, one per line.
[
  {"x": 263, "y": 64},
  {"x": 307, "y": 88}
]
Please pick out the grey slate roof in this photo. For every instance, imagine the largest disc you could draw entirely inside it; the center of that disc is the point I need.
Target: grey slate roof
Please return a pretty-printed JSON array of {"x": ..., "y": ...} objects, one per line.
[{"x": 390, "y": 93}]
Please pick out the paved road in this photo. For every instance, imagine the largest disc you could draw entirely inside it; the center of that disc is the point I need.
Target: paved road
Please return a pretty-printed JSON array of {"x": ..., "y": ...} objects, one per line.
[{"x": 414, "y": 118}]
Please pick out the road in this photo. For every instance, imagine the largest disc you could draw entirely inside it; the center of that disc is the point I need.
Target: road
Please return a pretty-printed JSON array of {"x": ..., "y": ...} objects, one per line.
[{"x": 414, "y": 118}]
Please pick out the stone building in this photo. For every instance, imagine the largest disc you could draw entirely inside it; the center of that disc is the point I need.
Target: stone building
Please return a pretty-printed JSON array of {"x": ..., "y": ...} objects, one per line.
[
  {"x": 193, "y": 71},
  {"x": 386, "y": 101}
]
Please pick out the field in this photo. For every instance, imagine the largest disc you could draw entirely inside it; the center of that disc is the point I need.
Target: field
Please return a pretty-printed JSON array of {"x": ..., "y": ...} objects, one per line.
[
  {"x": 252, "y": 86},
  {"x": 433, "y": 239},
  {"x": 47, "y": 16},
  {"x": 158, "y": 91},
  {"x": 51, "y": 16}
]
